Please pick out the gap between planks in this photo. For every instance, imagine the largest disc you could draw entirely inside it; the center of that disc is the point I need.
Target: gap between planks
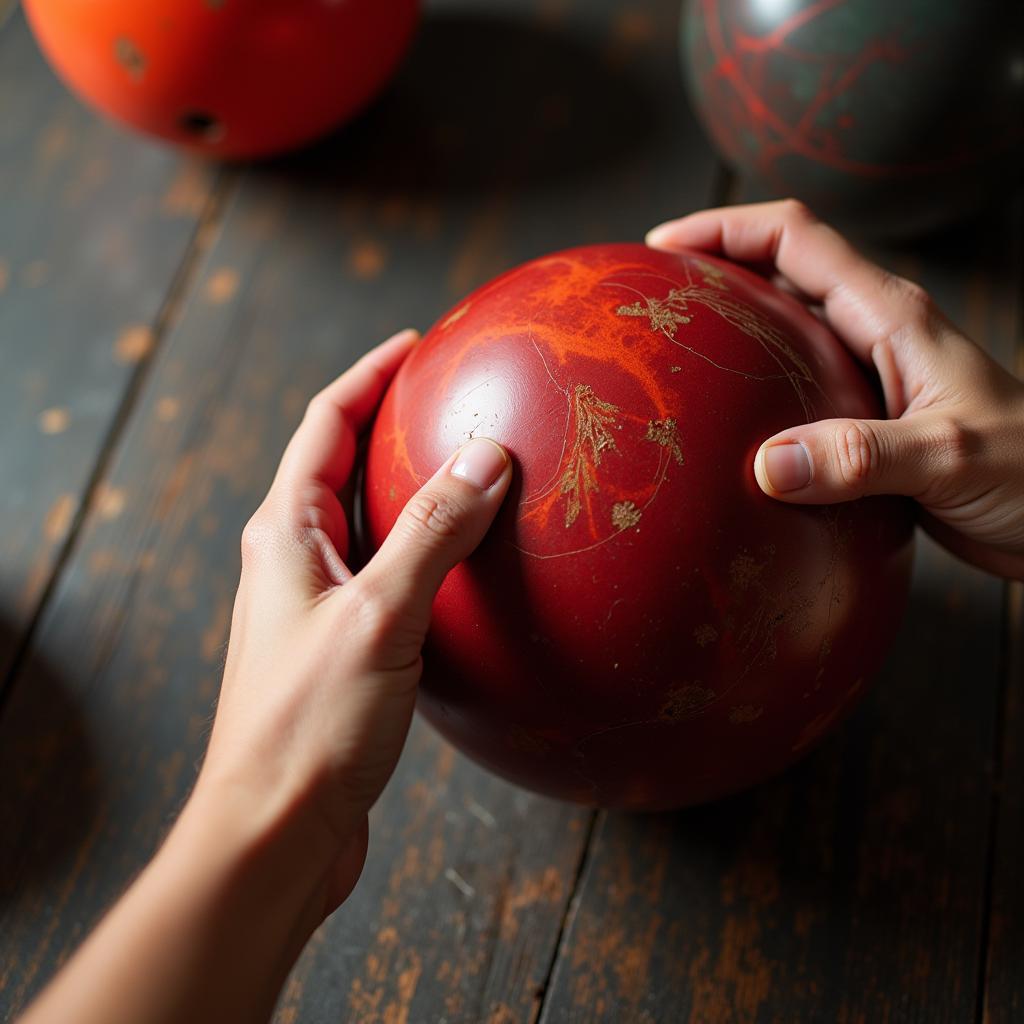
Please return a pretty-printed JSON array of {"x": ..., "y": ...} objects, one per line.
[
  {"x": 1011, "y": 648},
  {"x": 1012, "y": 624},
  {"x": 570, "y": 908},
  {"x": 724, "y": 192},
  {"x": 178, "y": 290}
]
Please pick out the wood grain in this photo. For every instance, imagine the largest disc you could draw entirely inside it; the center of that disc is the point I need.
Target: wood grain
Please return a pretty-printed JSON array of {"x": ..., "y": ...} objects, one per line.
[
  {"x": 93, "y": 226},
  {"x": 854, "y": 888},
  {"x": 513, "y": 130},
  {"x": 1004, "y": 995}
]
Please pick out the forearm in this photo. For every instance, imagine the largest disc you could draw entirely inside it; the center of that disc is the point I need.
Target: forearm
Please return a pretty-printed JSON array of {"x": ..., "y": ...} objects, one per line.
[{"x": 208, "y": 932}]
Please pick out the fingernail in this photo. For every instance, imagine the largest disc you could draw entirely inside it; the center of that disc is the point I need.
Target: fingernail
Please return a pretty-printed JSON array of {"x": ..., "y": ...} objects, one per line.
[
  {"x": 786, "y": 466},
  {"x": 660, "y": 234},
  {"x": 480, "y": 463}
]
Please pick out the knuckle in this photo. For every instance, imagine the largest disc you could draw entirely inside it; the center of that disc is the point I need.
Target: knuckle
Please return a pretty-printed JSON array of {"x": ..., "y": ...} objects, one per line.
[
  {"x": 433, "y": 517},
  {"x": 797, "y": 211},
  {"x": 317, "y": 405},
  {"x": 913, "y": 302},
  {"x": 953, "y": 450},
  {"x": 370, "y": 615},
  {"x": 257, "y": 535},
  {"x": 858, "y": 453}
]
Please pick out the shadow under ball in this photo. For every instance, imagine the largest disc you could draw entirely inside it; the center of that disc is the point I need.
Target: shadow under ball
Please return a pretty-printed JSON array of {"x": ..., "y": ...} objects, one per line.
[
  {"x": 642, "y": 627},
  {"x": 891, "y": 117}
]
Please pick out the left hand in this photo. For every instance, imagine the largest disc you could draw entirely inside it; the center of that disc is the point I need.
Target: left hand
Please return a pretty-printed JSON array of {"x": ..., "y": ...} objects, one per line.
[
  {"x": 318, "y": 691},
  {"x": 323, "y": 666}
]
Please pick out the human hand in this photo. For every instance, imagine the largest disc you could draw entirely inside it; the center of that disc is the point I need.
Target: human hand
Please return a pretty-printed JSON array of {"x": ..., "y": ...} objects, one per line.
[
  {"x": 323, "y": 666},
  {"x": 318, "y": 691},
  {"x": 955, "y": 437}
]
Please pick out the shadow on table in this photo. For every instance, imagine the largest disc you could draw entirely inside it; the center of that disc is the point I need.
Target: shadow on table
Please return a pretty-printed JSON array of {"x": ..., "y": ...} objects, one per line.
[
  {"x": 48, "y": 781},
  {"x": 482, "y": 102},
  {"x": 875, "y": 843}
]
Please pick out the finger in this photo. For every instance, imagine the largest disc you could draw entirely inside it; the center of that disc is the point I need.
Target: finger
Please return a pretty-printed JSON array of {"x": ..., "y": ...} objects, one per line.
[
  {"x": 442, "y": 524},
  {"x": 323, "y": 447},
  {"x": 840, "y": 460},
  {"x": 1007, "y": 564},
  {"x": 864, "y": 303}
]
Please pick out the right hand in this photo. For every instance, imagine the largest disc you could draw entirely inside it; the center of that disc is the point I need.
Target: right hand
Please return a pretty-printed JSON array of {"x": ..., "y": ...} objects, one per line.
[{"x": 954, "y": 439}]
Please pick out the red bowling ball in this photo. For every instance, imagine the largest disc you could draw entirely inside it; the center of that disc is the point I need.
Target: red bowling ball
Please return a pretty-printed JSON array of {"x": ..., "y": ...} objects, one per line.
[{"x": 642, "y": 627}]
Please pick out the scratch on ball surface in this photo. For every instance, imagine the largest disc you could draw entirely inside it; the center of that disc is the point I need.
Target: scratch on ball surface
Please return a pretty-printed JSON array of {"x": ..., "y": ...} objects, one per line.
[
  {"x": 684, "y": 700},
  {"x": 705, "y": 634},
  {"x": 744, "y": 570},
  {"x": 130, "y": 57},
  {"x": 625, "y": 515},
  {"x": 456, "y": 316},
  {"x": 526, "y": 741},
  {"x": 742, "y": 714},
  {"x": 665, "y": 433},
  {"x": 594, "y": 418},
  {"x": 713, "y": 275},
  {"x": 460, "y": 883},
  {"x": 666, "y": 315}
]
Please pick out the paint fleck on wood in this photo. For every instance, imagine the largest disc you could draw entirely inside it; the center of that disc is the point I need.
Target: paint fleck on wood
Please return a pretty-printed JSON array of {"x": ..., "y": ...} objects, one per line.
[
  {"x": 188, "y": 191},
  {"x": 167, "y": 408},
  {"x": 222, "y": 285},
  {"x": 133, "y": 344},
  {"x": 54, "y": 420},
  {"x": 35, "y": 273},
  {"x": 109, "y": 501},
  {"x": 58, "y": 519},
  {"x": 367, "y": 259}
]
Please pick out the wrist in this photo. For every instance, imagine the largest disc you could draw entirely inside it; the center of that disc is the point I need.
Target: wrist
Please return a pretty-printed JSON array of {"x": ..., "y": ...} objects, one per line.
[{"x": 250, "y": 850}]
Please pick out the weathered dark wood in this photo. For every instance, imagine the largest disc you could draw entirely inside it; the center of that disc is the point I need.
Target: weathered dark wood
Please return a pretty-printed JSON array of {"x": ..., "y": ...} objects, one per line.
[
  {"x": 510, "y": 132},
  {"x": 93, "y": 226},
  {"x": 1004, "y": 996},
  {"x": 854, "y": 888}
]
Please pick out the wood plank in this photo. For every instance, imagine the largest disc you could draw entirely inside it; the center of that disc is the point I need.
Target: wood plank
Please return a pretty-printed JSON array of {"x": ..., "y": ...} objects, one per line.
[
  {"x": 1004, "y": 995},
  {"x": 453, "y": 176},
  {"x": 93, "y": 226},
  {"x": 852, "y": 889},
  {"x": 1004, "y": 990}
]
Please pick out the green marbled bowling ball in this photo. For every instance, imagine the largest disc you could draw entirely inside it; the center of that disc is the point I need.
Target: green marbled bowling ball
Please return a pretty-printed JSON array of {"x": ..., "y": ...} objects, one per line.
[{"x": 891, "y": 116}]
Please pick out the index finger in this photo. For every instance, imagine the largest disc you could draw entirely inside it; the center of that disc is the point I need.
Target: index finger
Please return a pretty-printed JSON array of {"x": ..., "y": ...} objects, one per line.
[
  {"x": 323, "y": 448},
  {"x": 864, "y": 304}
]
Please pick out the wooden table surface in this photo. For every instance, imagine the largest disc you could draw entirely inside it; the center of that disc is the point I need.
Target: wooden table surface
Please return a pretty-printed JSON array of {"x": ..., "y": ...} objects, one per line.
[{"x": 162, "y": 324}]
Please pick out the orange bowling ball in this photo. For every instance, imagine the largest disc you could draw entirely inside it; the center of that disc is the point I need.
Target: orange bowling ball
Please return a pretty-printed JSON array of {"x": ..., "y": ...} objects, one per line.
[{"x": 232, "y": 78}]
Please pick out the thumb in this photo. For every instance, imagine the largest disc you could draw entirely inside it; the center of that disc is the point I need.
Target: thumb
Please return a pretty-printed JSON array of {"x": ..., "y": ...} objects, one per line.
[
  {"x": 843, "y": 459},
  {"x": 441, "y": 524}
]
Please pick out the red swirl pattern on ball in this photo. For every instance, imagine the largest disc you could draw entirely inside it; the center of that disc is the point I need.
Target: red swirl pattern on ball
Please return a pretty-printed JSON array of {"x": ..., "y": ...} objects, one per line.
[{"x": 642, "y": 627}]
